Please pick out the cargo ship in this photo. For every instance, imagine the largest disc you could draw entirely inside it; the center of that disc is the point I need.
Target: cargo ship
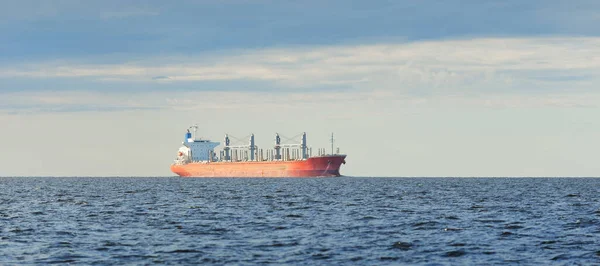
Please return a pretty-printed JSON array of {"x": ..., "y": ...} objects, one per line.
[{"x": 197, "y": 158}]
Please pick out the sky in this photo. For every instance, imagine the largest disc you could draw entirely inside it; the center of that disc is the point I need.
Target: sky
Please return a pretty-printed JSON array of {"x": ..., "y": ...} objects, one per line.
[{"x": 409, "y": 88}]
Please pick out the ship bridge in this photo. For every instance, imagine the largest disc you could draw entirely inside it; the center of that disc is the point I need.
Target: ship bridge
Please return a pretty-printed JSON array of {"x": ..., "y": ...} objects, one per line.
[{"x": 195, "y": 149}]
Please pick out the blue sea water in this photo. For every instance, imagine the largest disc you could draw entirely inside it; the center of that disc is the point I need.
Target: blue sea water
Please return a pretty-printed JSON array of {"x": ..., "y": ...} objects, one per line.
[{"x": 328, "y": 221}]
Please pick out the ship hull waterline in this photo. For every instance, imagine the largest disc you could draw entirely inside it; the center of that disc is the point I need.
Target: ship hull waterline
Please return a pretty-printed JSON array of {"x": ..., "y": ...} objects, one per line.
[{"x": 322, "y": 166}]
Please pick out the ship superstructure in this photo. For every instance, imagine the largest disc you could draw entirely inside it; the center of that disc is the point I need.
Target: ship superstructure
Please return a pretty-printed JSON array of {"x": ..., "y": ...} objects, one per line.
[{"x": 197, "y": 158}]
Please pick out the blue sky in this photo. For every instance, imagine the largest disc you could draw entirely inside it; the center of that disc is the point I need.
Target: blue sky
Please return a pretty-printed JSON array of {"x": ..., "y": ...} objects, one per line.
[
  {"x": 34, "y": 30},
  {"x": 433, "y": 76}
]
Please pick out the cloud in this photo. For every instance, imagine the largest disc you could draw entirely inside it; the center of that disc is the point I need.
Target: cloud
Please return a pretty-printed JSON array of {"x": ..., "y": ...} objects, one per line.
[
  {"x": 72, "y": 101},
  {"x": 496, "y": 62},
  {"x": 489, "y": 72},
  {"x": 374, "y": 102},
  {"x": 38, "y": 30}
]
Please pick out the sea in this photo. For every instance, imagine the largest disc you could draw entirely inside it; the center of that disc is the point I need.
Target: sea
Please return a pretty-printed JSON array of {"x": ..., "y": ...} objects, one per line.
[{"x": 302, "y": 221}]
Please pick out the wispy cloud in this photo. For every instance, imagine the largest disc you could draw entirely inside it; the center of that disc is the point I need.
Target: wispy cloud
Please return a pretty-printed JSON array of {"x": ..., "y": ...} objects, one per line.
[
  {"x": 490, "y": 72},
  {"x": 432, "y": 64},
  {"x": 73, "y": 101},
  {"x": 372, "y": 102}
]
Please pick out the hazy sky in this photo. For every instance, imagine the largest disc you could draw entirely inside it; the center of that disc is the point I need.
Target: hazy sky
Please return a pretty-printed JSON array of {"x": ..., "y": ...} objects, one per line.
[{"x": 410, "y": 88}]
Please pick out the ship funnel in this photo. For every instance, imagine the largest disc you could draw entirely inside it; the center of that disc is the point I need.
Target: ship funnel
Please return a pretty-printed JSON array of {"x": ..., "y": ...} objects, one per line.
[{"x": 188, "y": 136}]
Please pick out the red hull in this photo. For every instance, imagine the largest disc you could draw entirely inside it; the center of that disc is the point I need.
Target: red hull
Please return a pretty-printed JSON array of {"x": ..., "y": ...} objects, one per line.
[{"x": 324, "y": 166}]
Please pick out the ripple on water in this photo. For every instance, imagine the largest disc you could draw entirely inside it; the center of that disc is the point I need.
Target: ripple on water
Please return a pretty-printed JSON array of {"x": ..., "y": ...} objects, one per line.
[
  {"x": 183, "y": 251},
  {"x": 513, "y": 226},
  {"x": 455, "y": 253},
  {"x": 402, "y": 245},
  {"x": 367, "y": 221}
]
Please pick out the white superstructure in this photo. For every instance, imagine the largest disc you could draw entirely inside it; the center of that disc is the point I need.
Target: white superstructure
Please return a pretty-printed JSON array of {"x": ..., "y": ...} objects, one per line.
[{"x": 196, "y": 150}]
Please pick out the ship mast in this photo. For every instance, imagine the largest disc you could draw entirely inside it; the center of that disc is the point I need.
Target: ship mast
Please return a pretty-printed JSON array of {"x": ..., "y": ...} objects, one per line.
[
  {"x": 195, "y": 127},
  {"x": 332, "y": 143}
]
